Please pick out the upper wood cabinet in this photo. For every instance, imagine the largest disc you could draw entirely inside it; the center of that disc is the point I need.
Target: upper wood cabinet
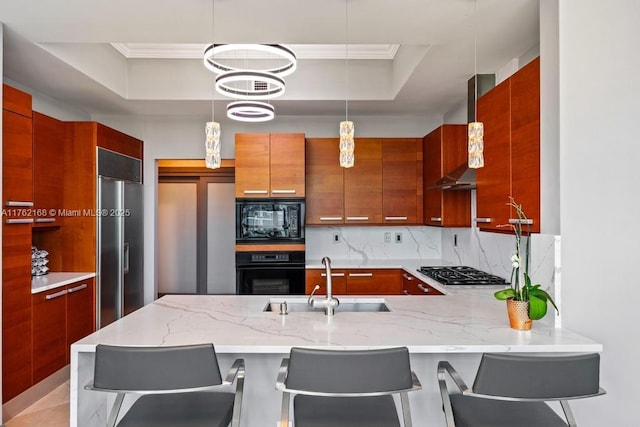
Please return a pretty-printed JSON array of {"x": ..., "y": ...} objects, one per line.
[
  {"x": 270, "y": 165},
  {"x": 511, "y": 116},
  {"x": 48, "y": 171},
  {"x": 402, "y": 180},
  {"x": 363, "y": 184},
  {"x": 325, "y": 182},
  {"x": 383, "y": 187},
  {"x": 17, "y": 153},
  {"x": 445, "y": 148}
]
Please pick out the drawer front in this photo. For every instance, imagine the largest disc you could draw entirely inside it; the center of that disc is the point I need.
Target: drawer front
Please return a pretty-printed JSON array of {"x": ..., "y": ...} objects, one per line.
[
  {"x": 414, "y": 286},
  {"x": 374, "y": 282},
  {"x": 319, "y": 277}
]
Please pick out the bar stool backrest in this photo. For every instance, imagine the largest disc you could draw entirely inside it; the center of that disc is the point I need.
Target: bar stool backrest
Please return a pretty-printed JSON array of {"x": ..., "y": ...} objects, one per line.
[
  {"x": 538, "y": 377},
  {"x": 366, "y": 371},
  {"x": 156, "y": 368}
]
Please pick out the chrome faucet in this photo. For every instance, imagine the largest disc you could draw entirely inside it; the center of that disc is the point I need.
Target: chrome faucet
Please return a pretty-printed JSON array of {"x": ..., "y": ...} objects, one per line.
[{"x": 329, "y": 303}]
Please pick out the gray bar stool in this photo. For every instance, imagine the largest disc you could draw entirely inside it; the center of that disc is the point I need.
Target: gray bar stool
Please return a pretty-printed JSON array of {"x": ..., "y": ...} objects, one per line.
[
  {"x": 175, "y": 385},
  {"x": 346, "y": 388},
  {"x": 511, "y": 390}
]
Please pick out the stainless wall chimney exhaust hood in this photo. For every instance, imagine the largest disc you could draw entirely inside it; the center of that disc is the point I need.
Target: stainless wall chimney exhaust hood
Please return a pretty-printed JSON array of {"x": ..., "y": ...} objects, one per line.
[{"x": 463, "y": 177}]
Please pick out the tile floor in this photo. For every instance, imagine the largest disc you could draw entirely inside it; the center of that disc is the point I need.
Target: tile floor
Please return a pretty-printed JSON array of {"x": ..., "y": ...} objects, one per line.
[{"x": 50, "y": 411}]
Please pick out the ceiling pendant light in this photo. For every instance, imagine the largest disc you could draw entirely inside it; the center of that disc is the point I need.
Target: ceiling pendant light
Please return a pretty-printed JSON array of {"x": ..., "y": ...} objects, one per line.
[
  {"x": 250, "y": 111},
  {"x": 227, "y": 52},
  {"x": 347, "y": 144},
  {"x": 212, "y": 158},
  {"x": 476, "y": 128},
  {"x": 250, "y": 85}
]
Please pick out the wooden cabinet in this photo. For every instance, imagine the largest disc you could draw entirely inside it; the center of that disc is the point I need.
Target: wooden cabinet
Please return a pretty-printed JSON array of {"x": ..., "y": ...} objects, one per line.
[
  {"x": 48, "y": 170},
  {"x": 383, "y": 187},
  {"x": 363, "y": 184},
  {"x": 374, "y": 282},
  {"x": 17, "y": 195},
  {"x": 511, "y": 116},
  {"x": 319, "y": 277},
  {"x": 61, "y": 316},
  {"x": 80, "y": 311},
  {"x": 49, "y": 332},
  {"x": 356, "y": 281},
  {"x": 411, "y": 285},
  {"x": 17, "y": 153},
  {"x": 402, "y": 181},
  {"x": 445, "y": 148},
  {"x": 270, "y": 165},
  {"x": 324, "y": 182}
]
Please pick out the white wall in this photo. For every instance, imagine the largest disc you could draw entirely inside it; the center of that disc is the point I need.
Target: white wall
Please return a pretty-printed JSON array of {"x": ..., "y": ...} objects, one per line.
[
  {"x": 599, "y": 152},
  {"x": 183, "y": 138}
]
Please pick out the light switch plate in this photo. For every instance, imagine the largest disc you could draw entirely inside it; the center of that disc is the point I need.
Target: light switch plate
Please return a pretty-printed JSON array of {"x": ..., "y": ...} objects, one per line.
[{"x": 387, "y": 237}]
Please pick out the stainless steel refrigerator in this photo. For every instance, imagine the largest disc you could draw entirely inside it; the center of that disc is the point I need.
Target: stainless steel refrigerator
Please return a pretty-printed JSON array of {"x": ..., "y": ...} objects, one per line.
[{"x": 120, "y": 287}]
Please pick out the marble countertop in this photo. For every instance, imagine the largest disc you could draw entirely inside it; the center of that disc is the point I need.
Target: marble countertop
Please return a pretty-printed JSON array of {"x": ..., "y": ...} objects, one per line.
[
  {"x": 55, "y": 280},
  {"x": 464, "y": 321}
]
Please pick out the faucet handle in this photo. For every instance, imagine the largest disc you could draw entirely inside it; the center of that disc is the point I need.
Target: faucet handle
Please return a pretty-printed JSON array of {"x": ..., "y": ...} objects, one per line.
[{"x": 310, "y": 299}]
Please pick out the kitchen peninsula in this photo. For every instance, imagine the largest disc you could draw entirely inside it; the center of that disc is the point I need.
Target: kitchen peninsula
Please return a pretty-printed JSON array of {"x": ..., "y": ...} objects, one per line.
[{"x": 458, "y": 327}]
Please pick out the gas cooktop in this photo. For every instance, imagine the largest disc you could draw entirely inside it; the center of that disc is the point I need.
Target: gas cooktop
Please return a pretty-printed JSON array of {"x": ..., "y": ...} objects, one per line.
[{"x": 461, "y": 275}]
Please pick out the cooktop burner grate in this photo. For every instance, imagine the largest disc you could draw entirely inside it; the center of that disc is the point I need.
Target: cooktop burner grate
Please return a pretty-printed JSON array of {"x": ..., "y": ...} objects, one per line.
[{"x": 461, "y": 275}]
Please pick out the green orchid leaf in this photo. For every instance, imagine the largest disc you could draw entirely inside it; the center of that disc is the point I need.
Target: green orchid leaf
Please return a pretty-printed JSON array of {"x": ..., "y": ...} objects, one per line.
[
  {"x": 505, "y": 294},
  {"x": 544, "y": 295},
  {"x": 537, "y": 307}
]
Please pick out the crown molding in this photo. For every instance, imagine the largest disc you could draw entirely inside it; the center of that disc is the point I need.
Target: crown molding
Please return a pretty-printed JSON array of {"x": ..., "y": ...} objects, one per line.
[{"x": 302, "y": 51}]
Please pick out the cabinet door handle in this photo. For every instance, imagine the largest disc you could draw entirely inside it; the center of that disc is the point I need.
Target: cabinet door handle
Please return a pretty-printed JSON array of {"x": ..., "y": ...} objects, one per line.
[
  {"x": 527, "y": 221},
  {"x": 332, "y": 274},
  {"x": 283, "y": 191},
  {"x": 18, "y": 204},
  {"x": 19, "y": 221},
  {"x": 395, "y": 218},
  {"x": 407, "y": 277},
  {"x": 436, "y": 219},
  {"x": 330, "y": 218},
  {"x": 483, "y": 220},
  {"x": 360, "y": 274},
  {"x": 255, "y": 192},
  {"x": 40, "y": 220},
  {"x": 77, "y": 288},
  {"x": 56, "y": 295},
  {"x": 357, "y": 218},
  {"x": 423, "y": 289}
]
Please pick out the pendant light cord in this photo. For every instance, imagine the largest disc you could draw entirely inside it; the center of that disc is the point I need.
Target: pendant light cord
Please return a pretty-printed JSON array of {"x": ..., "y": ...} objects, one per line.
[
  {"x": 213, "y": 35},
  {"x": 475, "y": 58},
  {"x": 346, "y": 60}
]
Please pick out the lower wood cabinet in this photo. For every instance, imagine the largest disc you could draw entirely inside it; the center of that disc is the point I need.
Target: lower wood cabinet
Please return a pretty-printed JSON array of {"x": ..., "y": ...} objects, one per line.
[
  {"x": 359, "y": 281},
  {"x": 411, "y": 285},
  {"x": 61, "y": 316}
]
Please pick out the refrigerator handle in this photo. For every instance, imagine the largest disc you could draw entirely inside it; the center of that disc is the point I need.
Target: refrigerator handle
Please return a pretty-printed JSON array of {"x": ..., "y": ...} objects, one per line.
[{"x": 126, "y": 259}]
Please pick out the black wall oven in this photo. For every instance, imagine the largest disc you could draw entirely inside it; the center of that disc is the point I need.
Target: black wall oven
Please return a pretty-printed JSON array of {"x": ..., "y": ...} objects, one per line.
[
  {"x": 269, "y": 221},
  {"x": 270, "y": 273}
]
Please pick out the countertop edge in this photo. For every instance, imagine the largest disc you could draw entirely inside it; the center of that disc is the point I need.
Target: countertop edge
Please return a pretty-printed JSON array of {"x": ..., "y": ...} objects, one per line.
[{"x": 55, "y": 280}]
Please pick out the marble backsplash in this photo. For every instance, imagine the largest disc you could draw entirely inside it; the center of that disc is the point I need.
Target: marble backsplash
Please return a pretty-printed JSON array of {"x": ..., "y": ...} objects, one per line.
[{"x": 490, "y": 252}]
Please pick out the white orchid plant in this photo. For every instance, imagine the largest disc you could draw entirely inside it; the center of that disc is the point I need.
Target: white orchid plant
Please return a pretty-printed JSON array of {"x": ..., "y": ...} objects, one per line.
[{"x": 524, "y": 290}]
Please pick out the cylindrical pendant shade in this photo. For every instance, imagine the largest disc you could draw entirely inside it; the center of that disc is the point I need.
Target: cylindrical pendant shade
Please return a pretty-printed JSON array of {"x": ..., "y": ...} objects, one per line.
[
  {"x": 347, "y": 145},
  {"x": 476, "y": 145},
  {"x": 212, "y": 146}
]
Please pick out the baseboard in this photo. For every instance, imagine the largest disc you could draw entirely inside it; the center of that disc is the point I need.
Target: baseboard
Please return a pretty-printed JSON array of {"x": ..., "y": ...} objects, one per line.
[{"x": 34, "y": 393}]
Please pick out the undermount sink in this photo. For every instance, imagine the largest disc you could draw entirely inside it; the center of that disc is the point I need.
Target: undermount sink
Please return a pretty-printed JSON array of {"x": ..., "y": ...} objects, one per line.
[{"x": 361, "y": 305}]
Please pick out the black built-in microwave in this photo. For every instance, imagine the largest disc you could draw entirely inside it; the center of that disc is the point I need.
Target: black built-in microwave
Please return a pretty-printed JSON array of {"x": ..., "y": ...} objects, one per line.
[{"x": 269, "y": 221}]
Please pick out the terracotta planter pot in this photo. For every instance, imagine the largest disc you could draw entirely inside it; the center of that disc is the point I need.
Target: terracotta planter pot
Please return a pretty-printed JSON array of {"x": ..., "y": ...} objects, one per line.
[{"x": 519, "y": 314}]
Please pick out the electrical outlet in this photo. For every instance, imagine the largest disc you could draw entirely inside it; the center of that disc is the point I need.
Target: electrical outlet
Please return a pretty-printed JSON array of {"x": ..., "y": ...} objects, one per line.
[
  {"x": 398, "y": 237},
  {"x": 387, "y": 237},
  {"x": 335, "y": 238}
]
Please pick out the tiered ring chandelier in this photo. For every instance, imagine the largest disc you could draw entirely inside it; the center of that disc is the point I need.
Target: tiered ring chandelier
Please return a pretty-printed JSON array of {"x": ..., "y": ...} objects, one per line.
[{"x": 250, "y": 85}]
